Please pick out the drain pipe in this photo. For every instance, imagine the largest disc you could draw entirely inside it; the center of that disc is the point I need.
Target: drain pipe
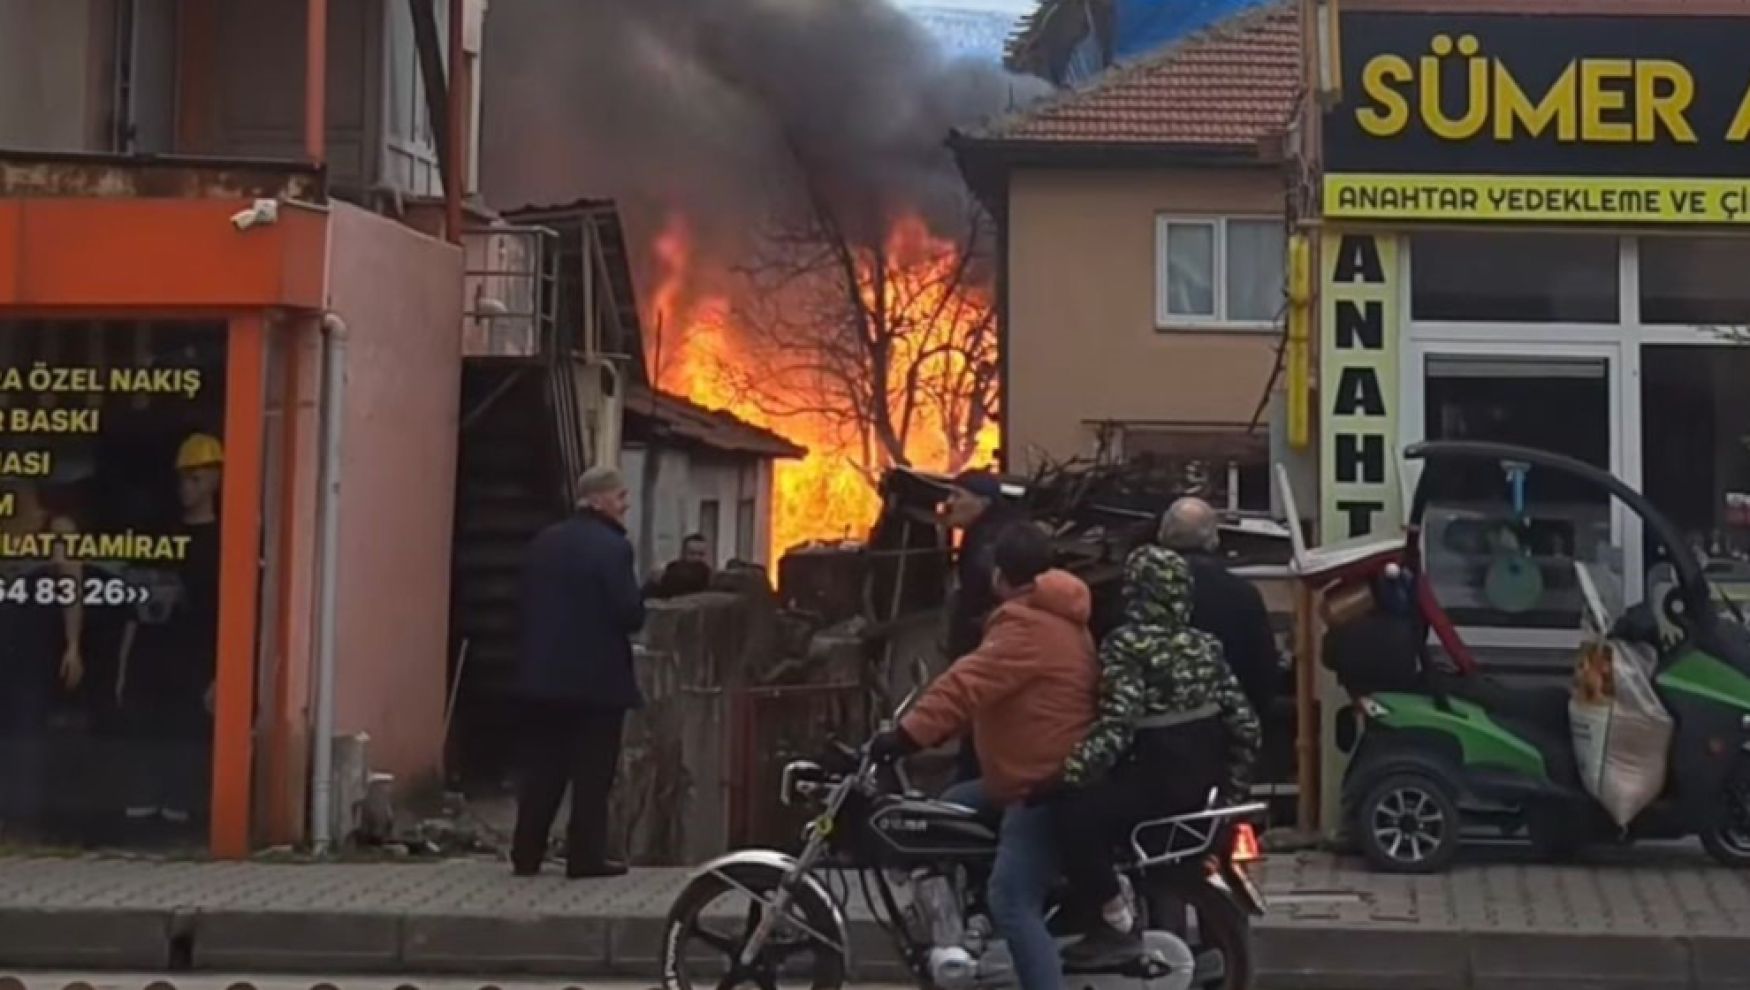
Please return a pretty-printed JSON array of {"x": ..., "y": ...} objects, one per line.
[{"x": 328, "y": 515}]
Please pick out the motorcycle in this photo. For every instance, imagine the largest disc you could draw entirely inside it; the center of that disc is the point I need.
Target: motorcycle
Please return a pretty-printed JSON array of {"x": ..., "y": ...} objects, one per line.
[{"x": 921, "y": 866}]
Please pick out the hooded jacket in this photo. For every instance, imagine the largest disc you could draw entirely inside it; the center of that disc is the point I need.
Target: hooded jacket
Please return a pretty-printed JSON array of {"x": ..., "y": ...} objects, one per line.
[
  {"x": 1157, "y": 664},
  {"x": 1027, "y": 691}
]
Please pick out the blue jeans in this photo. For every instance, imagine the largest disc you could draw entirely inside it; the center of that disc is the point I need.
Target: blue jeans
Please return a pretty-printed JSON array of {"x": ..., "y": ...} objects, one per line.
[{"x": 1025, "y": 870}]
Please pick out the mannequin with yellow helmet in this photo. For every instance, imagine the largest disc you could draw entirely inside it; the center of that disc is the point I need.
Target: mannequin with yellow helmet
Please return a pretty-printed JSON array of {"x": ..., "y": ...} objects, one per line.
[{"x": 170, "y": 654}]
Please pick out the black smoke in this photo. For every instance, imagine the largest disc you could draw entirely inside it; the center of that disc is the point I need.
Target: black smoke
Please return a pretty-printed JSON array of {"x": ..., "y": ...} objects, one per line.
[{"x": 729, "y": 111}]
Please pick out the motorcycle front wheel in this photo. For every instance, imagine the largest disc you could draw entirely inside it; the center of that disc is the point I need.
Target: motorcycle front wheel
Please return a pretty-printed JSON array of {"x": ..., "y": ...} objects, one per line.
[{"x": 715, "y": 916}]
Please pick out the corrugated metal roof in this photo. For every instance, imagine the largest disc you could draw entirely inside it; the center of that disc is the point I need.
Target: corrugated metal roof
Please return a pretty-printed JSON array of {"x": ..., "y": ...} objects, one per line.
[{"x": 682, "y": 419}]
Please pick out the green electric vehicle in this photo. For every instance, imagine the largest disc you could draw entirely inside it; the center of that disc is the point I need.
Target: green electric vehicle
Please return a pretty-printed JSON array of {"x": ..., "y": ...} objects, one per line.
[{"x": 1442, "y": 753}]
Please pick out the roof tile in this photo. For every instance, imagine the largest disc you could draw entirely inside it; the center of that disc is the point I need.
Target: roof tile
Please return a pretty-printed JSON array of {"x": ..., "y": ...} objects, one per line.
[{"x": 1233, "y": 86}]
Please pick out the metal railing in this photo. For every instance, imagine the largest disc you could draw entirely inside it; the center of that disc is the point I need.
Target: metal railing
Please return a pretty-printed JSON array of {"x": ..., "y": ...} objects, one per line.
[{"x": 510, "y": 286}]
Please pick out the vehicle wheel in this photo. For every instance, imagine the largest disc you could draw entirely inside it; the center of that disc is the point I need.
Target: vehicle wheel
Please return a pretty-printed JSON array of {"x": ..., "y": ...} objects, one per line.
[
  {"x": 1728, "y": 841},
  {"x": 1408, "y": 823},
  {"x": 1220, "y": 936},
  {"x": 713, "y": 918}
]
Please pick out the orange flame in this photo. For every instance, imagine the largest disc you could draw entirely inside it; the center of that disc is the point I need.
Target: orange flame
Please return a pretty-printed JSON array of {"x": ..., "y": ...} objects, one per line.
[{"x": 827, "y": 495}]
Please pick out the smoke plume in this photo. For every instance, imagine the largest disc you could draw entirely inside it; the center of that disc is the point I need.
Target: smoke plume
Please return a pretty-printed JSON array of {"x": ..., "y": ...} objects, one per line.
[{"x": 709, "y": 107}]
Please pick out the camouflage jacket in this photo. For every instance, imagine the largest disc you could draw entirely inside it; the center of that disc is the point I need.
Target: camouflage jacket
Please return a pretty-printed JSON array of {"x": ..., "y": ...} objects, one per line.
[{"x": 1156, "y": 663}]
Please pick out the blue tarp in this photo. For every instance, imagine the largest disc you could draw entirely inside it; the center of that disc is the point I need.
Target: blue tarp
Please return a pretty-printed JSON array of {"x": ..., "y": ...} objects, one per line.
[
  {"x": 1144, "y": 26},
  {"x": 1085, "y": 60}
]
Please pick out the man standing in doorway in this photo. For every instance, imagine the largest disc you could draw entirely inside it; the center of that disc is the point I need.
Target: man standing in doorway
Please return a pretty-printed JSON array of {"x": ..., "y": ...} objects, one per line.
[
  {"x": 976, "y": 507},
  {"x": 575, "y": 677},
  {"x": 1225, "y": 605},
  {"x": 689, "y": 575}
]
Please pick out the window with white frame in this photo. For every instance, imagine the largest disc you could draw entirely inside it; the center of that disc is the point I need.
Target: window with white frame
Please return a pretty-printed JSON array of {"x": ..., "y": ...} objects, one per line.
[{"x": 1219, "y": 271}]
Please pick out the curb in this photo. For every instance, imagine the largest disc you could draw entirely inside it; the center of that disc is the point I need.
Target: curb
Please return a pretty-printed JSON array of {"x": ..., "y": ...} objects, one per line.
[{"x": 1289, "y": 956}]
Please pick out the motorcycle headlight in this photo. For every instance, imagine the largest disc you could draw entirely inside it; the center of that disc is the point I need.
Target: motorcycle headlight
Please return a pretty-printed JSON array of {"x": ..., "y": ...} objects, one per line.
[{"x": 800, "y": 779}]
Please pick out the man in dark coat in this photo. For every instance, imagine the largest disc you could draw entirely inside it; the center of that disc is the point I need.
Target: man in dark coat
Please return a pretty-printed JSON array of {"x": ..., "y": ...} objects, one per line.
[
  {"x": 976, "y": 507},
  {"x": 689, "y": 575},
  {"x": 1225, "y": 605},
  {"x": 581, "y": 605}
]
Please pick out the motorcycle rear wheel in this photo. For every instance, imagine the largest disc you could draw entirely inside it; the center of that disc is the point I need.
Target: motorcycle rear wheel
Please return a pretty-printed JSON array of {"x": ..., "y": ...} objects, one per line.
[
  {"x": 701, "y": 944},
  {"x": 1209, "y": 921}
]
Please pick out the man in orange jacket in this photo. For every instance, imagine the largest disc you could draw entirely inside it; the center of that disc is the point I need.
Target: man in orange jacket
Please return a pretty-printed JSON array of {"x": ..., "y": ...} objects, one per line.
[{"x": 1027, "y": 693}]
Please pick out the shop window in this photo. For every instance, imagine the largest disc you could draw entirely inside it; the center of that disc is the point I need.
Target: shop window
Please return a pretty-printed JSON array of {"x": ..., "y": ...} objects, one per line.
[
  {"x": 1695, "y": 452},
  {"x": 1219, "y": 271},
  {"x": 112, "y": 456},
  {"x": 1513, "y": 277},
  {"x": 1696, "y": 281},
  {"x": 1501, "y": 552}
]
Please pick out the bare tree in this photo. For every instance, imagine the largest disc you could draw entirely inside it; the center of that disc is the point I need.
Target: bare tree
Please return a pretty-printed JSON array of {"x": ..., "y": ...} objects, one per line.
[{"x": 890, "y": 337}]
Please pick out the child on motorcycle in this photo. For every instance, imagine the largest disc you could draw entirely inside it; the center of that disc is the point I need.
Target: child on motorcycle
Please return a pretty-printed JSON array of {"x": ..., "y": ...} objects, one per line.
[{"x": 1173, "y": 722}]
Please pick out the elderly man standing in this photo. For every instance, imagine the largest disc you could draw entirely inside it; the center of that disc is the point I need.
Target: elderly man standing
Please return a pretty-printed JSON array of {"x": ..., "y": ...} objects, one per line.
[
  {"x": 581, "y": 605},
  {"x": 1223, "y": 604}
]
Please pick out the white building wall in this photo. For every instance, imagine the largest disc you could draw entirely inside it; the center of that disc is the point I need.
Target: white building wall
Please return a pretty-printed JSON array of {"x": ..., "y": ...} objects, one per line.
[{"x": 668, "y": 505}]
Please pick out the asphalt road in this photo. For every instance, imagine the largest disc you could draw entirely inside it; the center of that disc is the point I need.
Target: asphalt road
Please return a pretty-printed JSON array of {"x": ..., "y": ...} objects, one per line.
[{"x": 204, "y": 981}]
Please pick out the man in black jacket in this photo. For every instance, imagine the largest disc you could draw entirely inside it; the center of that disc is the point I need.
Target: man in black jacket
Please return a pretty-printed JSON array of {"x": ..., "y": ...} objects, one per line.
[
  {"x": 976, "y": 507},
  {"x": 1224, "y": 605},
  {"x": 581, "y": 605}
]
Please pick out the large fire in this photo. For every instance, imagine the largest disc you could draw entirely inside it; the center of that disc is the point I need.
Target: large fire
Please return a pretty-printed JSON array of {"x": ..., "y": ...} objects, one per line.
[{"x": 701, "y": 351}]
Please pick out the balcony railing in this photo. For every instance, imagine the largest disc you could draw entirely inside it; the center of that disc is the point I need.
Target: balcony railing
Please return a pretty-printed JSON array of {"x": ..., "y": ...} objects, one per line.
[{"x": 511, "y": 283}]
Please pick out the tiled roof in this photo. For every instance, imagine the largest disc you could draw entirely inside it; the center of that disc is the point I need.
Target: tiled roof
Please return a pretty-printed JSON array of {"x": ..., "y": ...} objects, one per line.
[
  {"x": 1233, "y": 86},
  {"x": 682, "y": 419}
]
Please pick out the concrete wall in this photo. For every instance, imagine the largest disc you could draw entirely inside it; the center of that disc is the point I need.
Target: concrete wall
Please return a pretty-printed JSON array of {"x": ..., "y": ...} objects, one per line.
[
  {"x": 1082, "y": 342},
  {"x": 401, "y": 296},
  {"x": 669, "y": 488},
  {"x": 54, "y": 86}
]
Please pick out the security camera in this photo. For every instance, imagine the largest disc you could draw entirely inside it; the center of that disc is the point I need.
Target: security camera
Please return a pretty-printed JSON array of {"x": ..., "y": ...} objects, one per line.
[{"x": 265, "y": 211}]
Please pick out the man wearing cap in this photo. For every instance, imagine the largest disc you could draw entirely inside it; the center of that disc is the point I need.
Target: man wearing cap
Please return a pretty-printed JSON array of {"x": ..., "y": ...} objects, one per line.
[
  {"x": 575, "y": 678},
  {"x": 1225, "y": 605},
  {"x": 976, "y": 507}
]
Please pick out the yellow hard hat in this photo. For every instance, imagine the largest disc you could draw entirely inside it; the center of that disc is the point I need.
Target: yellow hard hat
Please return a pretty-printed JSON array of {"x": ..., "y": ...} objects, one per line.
[{"x": 200, "y": 451}]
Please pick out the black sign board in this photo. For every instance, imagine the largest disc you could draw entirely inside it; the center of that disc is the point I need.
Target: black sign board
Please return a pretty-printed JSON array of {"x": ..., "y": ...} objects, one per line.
[{"x": 1505, "y": 95}]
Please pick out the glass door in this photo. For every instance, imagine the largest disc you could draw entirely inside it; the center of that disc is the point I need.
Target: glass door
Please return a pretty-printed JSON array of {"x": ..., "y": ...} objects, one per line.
[{"x": 1501, "y": 542}]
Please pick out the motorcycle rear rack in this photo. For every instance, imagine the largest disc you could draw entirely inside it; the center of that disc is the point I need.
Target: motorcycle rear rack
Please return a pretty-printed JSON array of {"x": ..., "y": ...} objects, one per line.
[{"x": 1187, "y": 836}]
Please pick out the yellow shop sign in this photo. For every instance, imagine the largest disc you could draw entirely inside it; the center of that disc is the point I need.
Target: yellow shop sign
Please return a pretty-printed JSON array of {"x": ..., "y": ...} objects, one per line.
[{"x": 1554, "y": 118}]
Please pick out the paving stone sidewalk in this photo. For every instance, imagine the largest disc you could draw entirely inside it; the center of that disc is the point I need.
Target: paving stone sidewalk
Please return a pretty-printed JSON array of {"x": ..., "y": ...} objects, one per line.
[{"x": 1642, "y": 919}]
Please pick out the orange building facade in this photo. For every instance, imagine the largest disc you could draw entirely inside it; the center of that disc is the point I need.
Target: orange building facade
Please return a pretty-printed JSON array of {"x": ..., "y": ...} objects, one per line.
[{"x": 201, "y": 252}]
